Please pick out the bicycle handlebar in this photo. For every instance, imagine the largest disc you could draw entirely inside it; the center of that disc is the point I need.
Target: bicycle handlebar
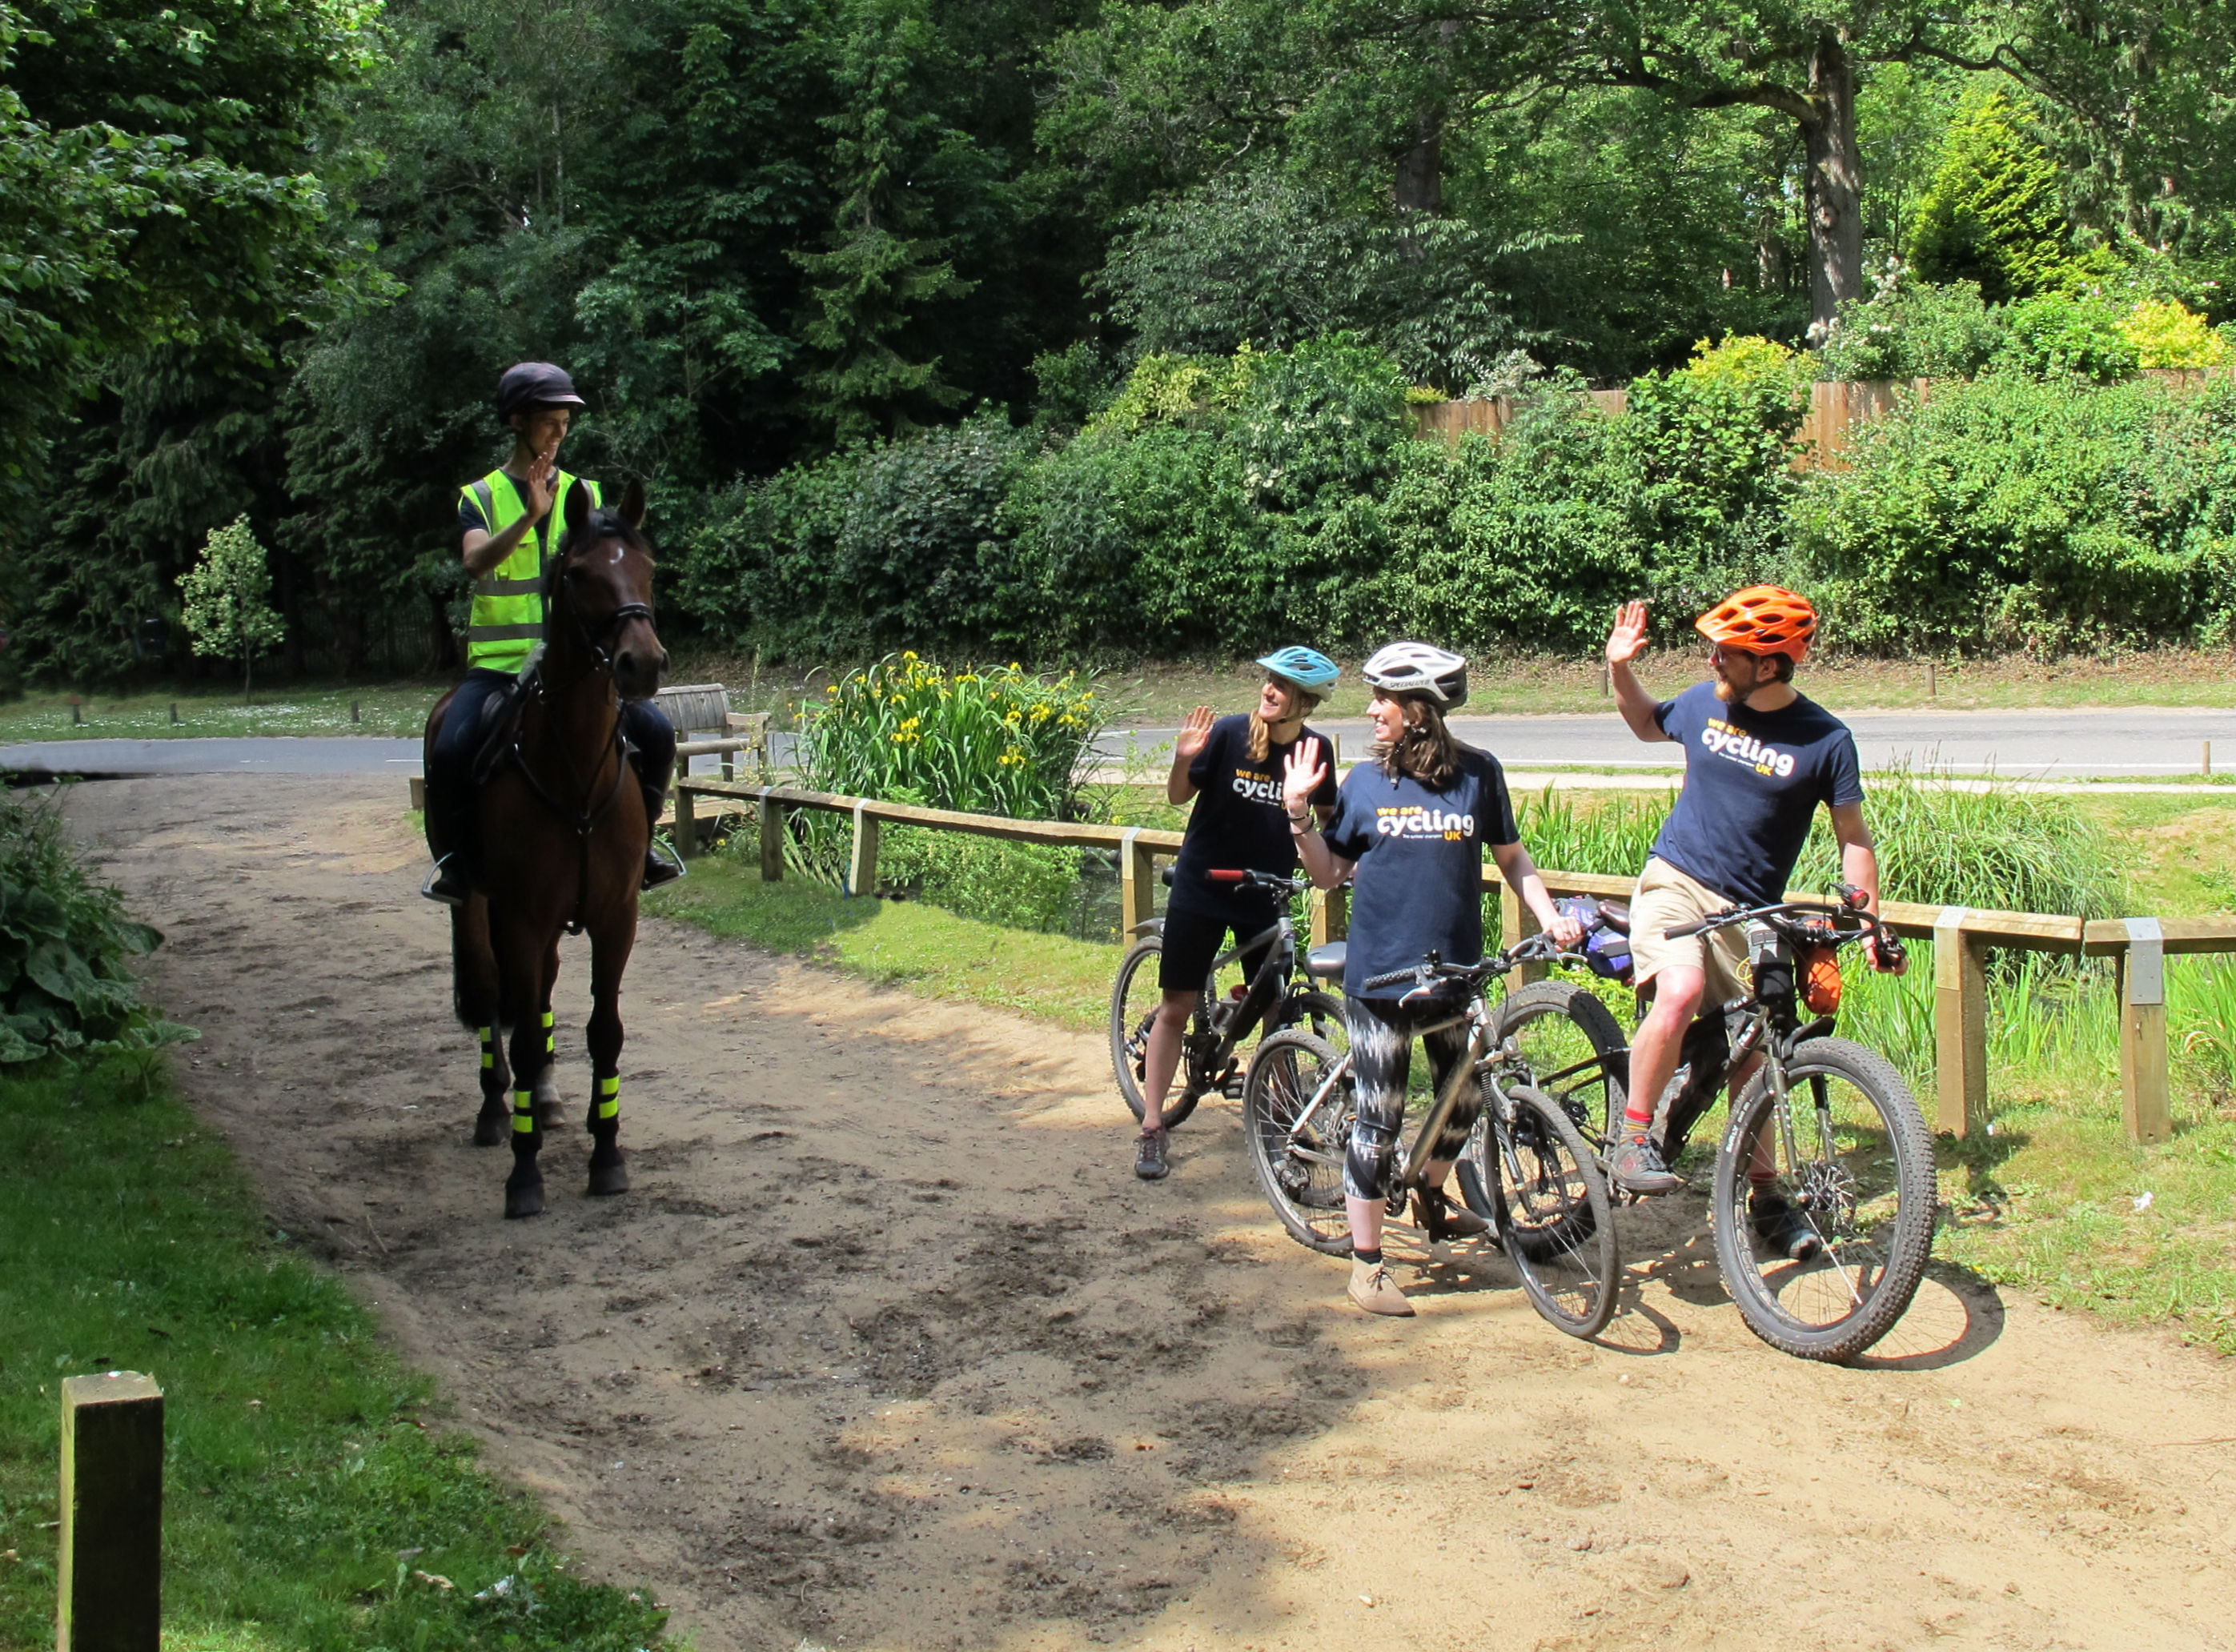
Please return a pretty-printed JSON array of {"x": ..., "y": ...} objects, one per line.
[
  {"x": 1540, "y": 949},
  {"x": 1250, "y": 880},
  {"x": 1851, "y": 904}
]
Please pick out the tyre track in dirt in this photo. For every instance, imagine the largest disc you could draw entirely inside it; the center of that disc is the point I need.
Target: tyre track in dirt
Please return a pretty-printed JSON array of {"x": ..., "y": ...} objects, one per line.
[{"x": 887, "y": 1348}]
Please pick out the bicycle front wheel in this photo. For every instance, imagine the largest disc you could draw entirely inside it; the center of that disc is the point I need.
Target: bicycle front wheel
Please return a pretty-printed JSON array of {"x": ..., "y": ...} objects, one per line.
[
  {"x": 1554, "y": 1215},
  {"x": 1849, "y": 1155},
  {"x": 1297, "y": 1109},
  {"x": 1572, "y": 1047},
  {"x": 1134, "y": 1002}
]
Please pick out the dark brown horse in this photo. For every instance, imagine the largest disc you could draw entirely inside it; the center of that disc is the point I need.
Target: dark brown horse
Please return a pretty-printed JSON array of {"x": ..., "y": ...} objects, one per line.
[{"x": 563, "y": 834}]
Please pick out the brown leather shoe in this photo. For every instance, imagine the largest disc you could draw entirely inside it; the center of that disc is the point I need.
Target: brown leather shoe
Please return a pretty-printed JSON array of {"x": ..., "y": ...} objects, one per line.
[{"x": 1373, "y": 1289}]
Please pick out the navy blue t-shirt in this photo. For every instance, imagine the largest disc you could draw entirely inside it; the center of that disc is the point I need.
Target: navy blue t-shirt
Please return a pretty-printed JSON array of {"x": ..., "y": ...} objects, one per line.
[
  {"x": 1239, "y": 820},
  {"x": 1419, "y": 853},
  {"x": 1752, "y": 782}
]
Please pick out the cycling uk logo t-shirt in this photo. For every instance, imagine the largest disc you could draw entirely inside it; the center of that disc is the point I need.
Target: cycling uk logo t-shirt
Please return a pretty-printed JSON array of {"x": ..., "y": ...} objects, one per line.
[
  {"x": 1752, "y": 782},
  {"x": 1419, "y": 853},
  {"x": 1239, "y": 820}
]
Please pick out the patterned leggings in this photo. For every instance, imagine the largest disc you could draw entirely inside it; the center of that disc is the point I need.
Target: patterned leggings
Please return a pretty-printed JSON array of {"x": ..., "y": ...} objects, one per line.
[{"x": 1382, "y": 1033}]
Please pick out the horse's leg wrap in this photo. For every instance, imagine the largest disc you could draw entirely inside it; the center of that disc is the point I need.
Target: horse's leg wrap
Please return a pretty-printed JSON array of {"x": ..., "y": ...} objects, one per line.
[
  {"x": 550, "y": 1110},
  {"x": 609, "y": 1165},
  {"x": 493, "y": 1124},
  {"x": 523, "y": 1189}
]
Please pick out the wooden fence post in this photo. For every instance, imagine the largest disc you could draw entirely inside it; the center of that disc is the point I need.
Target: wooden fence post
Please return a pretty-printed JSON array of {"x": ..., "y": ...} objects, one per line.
[
  {"x": 862, "y": 859},
  {"x": 1331, "y": 910},
  {"x": 1137, "y": 888},
  {"x": 110, "y": 1593},
  {"x": 771, "y": 837},
  {"x": 2143, "y": 1033},
  {"x": 1960, "y": 1024},
  {"x": 1517, "y": 922},
  {"x": 687, "y": 825}
]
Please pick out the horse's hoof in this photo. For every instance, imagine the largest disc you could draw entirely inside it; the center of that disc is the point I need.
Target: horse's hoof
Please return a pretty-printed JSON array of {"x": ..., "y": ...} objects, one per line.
[
  {"x": 610, "y": 1177},
  {"x": 524, "y": 1202},
  {"x": 551, "y": 1116},
  {"x": 492, "y": 1126}
]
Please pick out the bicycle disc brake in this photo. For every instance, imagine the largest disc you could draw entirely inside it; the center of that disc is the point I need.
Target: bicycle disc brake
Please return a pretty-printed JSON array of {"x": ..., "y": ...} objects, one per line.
[{"x": 1828, "y": 1192}]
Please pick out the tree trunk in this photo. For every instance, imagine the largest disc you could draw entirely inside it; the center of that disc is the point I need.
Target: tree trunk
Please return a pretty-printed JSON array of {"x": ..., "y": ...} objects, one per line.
[
  {"x": 1834, "y": 185},
  {"x": 442, "y": 641}
]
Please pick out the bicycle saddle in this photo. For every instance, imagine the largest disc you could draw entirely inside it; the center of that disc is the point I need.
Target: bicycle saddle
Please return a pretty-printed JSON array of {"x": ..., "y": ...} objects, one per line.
[
  {"x": 1326, "y": 961},
  {"x": 1615, "y": 915}
]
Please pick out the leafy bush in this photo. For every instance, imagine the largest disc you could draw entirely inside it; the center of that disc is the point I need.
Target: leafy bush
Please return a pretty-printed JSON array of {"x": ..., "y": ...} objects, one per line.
[
  {"x": 1913, "y": 329},
  {"x": 993, "y": 741},
  {"x": 2166, "y": 333},
  {"x": 2059, "y": 336},
  {"x": 2013, "y": 512},
  {"x": 1025, "y": 886},
  {"x": 65, "y": 988}
]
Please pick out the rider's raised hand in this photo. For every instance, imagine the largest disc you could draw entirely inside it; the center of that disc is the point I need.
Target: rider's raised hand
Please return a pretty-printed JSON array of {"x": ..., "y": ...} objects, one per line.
[
  {"x": 1195, "y": 730},
  {"x": 539, "y": 483},
  {"x": 1628, "y": 640},
  {"x": 1301, "y": 774}
]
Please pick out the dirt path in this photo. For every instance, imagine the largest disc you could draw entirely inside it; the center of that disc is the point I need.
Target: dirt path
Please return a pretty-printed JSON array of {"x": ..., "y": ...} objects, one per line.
[{"x": 887, "y": 1349}]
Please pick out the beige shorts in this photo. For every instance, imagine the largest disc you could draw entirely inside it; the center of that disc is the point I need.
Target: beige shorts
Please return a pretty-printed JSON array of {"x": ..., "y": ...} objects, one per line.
[{"x": 1666, "y": 898}]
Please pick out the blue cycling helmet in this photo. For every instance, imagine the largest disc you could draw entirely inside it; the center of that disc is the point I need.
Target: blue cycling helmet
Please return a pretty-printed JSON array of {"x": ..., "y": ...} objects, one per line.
[{"x": 1308, "y": 668}]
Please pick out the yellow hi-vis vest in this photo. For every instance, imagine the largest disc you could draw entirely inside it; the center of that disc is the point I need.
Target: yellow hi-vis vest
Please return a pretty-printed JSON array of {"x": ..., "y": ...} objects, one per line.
[{"x": 507, "y": 619}]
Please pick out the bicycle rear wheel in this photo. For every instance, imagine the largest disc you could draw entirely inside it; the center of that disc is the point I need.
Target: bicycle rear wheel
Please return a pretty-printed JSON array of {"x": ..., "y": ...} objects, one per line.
[
  {"x": 1555, "y": 1219},
  {"x": 1854, "y": 1158},
  {"x": 1296, "y": 1118},
  {"x": 1573, "y": 1050},
  {"x": 1134, "y": 1002}
]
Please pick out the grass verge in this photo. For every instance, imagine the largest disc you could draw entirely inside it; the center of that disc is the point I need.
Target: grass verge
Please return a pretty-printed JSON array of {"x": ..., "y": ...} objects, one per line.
[
  {"x": 311, "y": 1502},
  {"x": 908, "y": 943},
  {"x": 394, "y": 709}
]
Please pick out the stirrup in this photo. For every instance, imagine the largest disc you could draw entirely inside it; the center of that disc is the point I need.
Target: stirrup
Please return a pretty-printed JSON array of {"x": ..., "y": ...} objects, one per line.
[{"x": 446, "y": 884}]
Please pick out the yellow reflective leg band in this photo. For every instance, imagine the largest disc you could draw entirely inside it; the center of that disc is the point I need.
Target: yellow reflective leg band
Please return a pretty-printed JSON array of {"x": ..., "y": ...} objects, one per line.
[
  {"x": 609, "y": 1097},
  {"x": 550, "y": 1038},
  {"x": 523, "y": 1110},
  {"x": 489, "y": 1050}
]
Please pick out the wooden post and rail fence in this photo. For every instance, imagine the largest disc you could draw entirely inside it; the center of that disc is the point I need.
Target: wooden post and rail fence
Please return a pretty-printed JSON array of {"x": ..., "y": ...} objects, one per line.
[{"x": 1961, "y": 935}]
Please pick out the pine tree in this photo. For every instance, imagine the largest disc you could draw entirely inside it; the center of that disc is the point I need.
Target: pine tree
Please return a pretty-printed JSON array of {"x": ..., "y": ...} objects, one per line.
[{"x": 1994, "y": 213}]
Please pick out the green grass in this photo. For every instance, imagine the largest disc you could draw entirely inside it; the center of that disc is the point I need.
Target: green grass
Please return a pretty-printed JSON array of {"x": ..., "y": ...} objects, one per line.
[
  {"x": 311, "y": 1490},
  {"x": 392, "y": 708},
  {"x": 907, "y": 943}
]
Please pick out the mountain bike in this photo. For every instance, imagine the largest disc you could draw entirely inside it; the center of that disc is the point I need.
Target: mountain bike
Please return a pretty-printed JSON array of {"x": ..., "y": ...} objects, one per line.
[
  {"x": 1541, "y": 1184},
  {"x": 1285, "y": 989},
  {"x": 1824, "y": 1125}
]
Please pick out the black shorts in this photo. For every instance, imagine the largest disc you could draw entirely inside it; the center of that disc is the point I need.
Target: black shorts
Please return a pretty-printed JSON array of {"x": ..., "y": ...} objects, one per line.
[{"x": 1194, "y": 936}]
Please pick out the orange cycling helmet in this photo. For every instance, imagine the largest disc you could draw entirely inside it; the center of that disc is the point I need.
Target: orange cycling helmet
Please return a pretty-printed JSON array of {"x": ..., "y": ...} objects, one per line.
[{"x": 1761, "y": 619}]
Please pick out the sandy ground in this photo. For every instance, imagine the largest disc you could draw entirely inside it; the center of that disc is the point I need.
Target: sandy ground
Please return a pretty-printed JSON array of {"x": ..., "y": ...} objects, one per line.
[{"x": 887, "y": 1348}]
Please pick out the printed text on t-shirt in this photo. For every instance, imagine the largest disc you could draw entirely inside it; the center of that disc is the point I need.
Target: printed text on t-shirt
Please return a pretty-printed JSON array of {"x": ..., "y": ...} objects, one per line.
[
  {"x": 1251, "y": 786},
  {"x": 1737, "y": 747},
  {"x": 1411, "y": 820}
]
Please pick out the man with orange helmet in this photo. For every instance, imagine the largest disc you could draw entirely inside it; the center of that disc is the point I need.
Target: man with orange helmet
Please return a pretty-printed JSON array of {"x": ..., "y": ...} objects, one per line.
[{"x": 1759, "y": 756}]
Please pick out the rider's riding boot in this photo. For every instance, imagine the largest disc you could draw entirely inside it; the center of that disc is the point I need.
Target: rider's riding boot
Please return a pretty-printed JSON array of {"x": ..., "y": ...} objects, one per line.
[
  {"x": 1443, "y": 1220},
  {"x": 447, "y": 882},
  {"x": 1149, "y": 1163},
  {"x": 1781, "y": 1227},
  {"x": 661, "y": 864},
  {"x": 1637, "y": 1167},
  {"x": 1373, "y": 1289}
]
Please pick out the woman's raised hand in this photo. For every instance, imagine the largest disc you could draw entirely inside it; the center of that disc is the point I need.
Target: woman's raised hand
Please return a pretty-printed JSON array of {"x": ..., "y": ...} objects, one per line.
[
  {"x": 1302, "y": 773},
  {"x": 1195, "y": 730},
  {"x": 1628, "y": 640}
]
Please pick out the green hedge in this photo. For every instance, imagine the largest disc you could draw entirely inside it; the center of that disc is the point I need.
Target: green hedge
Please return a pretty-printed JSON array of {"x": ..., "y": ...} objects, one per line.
[{"x": 1223, "y": 504}]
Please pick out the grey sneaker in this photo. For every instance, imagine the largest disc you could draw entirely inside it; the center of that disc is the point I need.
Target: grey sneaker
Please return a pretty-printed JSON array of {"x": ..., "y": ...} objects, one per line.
[
  {"x": 1637, "y": 1167},
  {"x": 1373, "y": 1289},
  {"x": 1783, "y": 1228},
  {"x": 1149, "y": 1156}
]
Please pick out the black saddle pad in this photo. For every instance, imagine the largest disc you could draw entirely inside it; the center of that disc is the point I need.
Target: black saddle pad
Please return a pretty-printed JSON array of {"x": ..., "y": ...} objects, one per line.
[{"x": 500, "y": 722}]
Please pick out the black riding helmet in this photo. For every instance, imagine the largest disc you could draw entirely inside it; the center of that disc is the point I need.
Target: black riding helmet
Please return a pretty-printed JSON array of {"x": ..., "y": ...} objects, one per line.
[{"x": 532, "y": 385}]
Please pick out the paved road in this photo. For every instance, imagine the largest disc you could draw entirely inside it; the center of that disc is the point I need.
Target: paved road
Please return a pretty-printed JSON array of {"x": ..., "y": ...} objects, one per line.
[
  {"x": 2052, "y": 745},
  {"x": 2059, "y": 745}
]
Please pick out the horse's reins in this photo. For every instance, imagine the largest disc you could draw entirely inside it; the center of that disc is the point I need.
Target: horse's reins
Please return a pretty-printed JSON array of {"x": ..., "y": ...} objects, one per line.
[{"x": 584, "y": 821}]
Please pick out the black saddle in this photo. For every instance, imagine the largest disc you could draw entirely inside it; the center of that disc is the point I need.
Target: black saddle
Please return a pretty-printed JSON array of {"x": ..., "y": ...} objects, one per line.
[
  {"x": 497, "y": 736},
  {"x": 1615, "y": 915},
  {"x": 1326, "y": 961}
]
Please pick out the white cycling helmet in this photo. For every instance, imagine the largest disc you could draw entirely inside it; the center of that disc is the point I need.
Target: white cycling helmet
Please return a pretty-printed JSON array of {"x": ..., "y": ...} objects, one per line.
[{"x": 1419, "y": 668}]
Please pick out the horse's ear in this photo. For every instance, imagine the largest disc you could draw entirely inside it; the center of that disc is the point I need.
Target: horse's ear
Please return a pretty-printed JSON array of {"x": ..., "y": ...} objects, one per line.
[
  {"x": 577, "y": 508},
  {"x": 633, "y": 503}
]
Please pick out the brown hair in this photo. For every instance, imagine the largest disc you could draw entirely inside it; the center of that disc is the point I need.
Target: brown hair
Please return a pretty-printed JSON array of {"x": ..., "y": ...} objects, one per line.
[
  {"x": 1261, "y": 731},
  {"x": 1426, "y": 750}
]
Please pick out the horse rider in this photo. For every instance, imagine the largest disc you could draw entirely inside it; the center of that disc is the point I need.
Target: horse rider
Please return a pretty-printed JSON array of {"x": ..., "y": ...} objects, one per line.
[{"x": 507, "y": 519}]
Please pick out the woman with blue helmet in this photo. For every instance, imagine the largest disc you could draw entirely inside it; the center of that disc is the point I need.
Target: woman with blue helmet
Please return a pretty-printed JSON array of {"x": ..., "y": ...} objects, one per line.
[{"x": 1232, "y": 768}]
